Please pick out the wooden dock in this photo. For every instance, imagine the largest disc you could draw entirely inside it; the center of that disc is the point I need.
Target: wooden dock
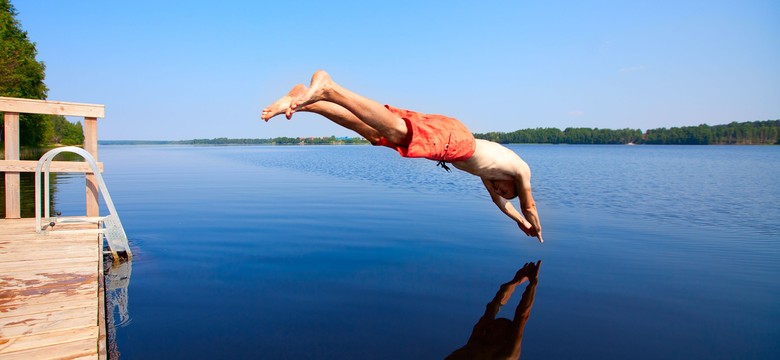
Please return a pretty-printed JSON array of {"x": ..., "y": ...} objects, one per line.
[
  {"x": 52, "y": 296},
  {"x": 52, "y": 301}
]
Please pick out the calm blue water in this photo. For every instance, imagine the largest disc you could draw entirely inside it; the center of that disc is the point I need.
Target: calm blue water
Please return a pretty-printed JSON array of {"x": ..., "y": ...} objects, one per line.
[{"x": 352, "y": 252}]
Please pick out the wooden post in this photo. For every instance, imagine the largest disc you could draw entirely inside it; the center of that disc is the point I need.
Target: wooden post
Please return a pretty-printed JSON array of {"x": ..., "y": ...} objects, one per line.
[
  {"x": 90, "y": 145},
  {"x": 12, "y": 194}
]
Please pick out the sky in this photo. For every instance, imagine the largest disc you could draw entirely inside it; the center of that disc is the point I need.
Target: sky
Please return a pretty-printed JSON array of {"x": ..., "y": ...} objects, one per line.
[{"x": 169, "y": 70}]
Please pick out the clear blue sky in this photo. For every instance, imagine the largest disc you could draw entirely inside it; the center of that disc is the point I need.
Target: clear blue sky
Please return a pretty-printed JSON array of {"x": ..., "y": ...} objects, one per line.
[{"x": 196, "y": 69}]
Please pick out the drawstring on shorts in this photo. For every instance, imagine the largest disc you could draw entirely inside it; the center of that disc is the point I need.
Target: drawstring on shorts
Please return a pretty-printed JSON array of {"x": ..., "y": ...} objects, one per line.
[
  {"x": 443, "y": 166},
  {"x": 444, "y": 156}
]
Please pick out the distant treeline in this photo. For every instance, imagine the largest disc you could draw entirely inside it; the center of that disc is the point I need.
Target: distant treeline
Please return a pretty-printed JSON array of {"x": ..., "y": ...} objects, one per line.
[
  {"x": 332, "y": 140},
  {"x": 744, "y": 133}
]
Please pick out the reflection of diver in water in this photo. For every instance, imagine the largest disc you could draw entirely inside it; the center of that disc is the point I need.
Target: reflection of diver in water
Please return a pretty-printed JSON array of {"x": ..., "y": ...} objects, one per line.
[{"x": 501, "y": 338}]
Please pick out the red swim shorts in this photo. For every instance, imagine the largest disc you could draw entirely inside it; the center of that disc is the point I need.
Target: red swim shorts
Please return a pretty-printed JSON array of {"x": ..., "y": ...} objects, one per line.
[{"x": 434, "y": 137}]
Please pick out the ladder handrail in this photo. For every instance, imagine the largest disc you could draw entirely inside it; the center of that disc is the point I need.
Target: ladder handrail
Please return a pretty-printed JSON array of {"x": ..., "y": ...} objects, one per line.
[{"x": 44, "y": 165}]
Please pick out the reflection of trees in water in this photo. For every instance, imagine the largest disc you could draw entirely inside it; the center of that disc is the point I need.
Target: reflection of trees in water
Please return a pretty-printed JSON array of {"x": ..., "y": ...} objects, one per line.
[
  {"x": 27, "y": 182},
  {"x": 501, "y": 338},
  {"x": 117, "y": 278}
]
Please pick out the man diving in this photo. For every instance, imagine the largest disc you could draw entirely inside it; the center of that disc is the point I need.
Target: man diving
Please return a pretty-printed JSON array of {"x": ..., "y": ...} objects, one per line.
[{"x": 436, "y": 137}]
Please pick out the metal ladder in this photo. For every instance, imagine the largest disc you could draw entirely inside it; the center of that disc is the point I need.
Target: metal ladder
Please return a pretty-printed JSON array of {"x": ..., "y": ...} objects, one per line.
[{"x": 109, "y": 226}]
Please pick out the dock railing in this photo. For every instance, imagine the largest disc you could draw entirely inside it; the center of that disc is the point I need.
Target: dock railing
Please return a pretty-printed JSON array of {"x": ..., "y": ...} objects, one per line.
[{"x": 12, "y": 166}]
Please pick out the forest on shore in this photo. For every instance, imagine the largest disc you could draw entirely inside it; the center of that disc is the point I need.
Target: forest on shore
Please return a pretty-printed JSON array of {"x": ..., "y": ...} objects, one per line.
[
  {"x": 328, "y": 140},
  {"x": 743, "y": 133}
]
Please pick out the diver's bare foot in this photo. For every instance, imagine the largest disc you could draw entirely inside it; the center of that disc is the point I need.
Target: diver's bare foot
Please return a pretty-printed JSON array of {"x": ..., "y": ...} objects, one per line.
[
  {"x": 283, "y": 104},
  {"x": 320, "y": 84}
]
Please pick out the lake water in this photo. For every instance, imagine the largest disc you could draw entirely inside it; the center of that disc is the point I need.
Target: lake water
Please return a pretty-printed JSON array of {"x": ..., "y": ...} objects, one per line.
[{"x": 351, "y": 252}]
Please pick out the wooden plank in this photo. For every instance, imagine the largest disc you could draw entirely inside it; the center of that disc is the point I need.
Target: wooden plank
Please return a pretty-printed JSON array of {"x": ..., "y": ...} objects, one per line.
[
  {"x": 90, "y": 136},
  {"x": 10, "y": 229},
  {"x": 55, "y": 299},
  {"x": 18, "y": 243},
  {"x": 61, "y": 303},
  {"x": 85, "y": 262},
  {"x": 11, "y": 121},
  {"x": 56, "y": 166},
  {"x": 11, "y": 241},
  {"x": 63, "y": 234},
  {"x": 31, "y": 106},
  {"x": 12, "y": 261},
  {"x": 58, "y": 300},
  {"x": 90, "y": 145},
  {"x": 78, "y": 349},
  {"x": 49, "y": 254},
  {"x": 56, "y": 238},
  {"x": 26, "y": 278},
  {"x": 50, "y": 321},
  {"x": 8, "y": 226},
  {"x": 72, "y": 264},
  {"x": 17, "y": 292},
  {"x": 46, "y": 321},
  {"x": 28, "y": 229},
  {"x": 15, "y": 301},
  {"x": 12, "y": 188},
  {"x": 61, "y": 231},
  {"x": 28, "y": 233},
  {"x": 49, "y": 338}
]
